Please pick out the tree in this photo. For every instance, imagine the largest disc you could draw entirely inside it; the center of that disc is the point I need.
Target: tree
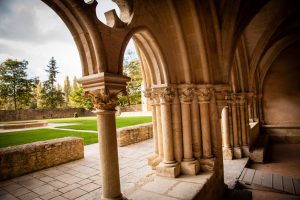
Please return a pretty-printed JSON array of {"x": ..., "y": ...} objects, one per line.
[
  {"x": 52, "y": 96},
  {"x": 67, "y": 90},
  {"x": 15, "y": 86},
  {"x": 132, "y": 69},
  {"x": 79, "y": 100},
  {"x": 75, "y": 84}
]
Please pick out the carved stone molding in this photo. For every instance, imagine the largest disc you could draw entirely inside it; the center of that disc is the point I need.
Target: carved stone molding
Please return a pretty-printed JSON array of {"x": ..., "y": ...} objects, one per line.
[
  {"x": 204, "y": 94},
  {"x": 166, "y": 95},
  {"x": 105, "y": 99},
  {"x": 186, "y": 94}
]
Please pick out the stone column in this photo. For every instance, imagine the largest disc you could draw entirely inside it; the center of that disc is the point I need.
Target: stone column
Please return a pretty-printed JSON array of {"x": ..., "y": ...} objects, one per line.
[
  {"x": 226, "y": 134},
  {"x": 153, "y": 160},
  {"x": 105, "y": 102},
  {"x": 204, "y": 96},
  {"x": 255, "y": 113},
  {"x": 260, "y": 108},
  {"x": 237, "y": 151},
  {"x": 159, "y": 127},
  {"x": 169, "y": 167},
  {"x": 196, "y": 129},
  {"x": 189, "y": 164},
  {"x": 244, "y": 125},
  {"x": 177, "y": 129}
]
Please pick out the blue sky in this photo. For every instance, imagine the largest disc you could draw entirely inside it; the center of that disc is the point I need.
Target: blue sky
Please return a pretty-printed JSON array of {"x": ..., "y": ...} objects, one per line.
[{"x": 30, "y": 30}]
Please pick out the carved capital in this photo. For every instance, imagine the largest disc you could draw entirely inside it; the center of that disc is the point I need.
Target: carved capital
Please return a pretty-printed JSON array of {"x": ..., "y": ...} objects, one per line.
[
  {"x": 166, "y": 95},
  {"x": 204, "y": 94},
  {"x": 105, "y": 99},
  {"x": 186, "y": 94}
]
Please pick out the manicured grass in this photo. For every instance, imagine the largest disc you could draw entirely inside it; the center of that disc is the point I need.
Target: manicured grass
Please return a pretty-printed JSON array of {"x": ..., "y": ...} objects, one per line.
[
  {"x": 23, "y": 137},
  {"x": 90, "y": 123}
]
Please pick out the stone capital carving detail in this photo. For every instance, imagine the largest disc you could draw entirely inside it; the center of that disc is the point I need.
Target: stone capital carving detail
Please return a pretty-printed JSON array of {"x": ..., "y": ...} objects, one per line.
[
  {"x": 204, "y": 94},
  {"x": 104, "y": 98},
  {"x": 186, "y": 94},
  {"x": 166, "y": 95}
]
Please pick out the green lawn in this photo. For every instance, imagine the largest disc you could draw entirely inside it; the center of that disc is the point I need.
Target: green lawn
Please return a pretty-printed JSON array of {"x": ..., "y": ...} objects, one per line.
[
  {"x": 89, "y": 123},
  {"x": 23, "y": 137},
  {"x": 84, "y": 123}
]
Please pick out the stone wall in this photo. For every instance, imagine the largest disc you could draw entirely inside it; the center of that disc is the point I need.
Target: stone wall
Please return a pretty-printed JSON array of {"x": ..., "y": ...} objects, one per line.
[
  {"x": 253, "y": 133},
  {"x": 23, "y": 159},
  {"x": 32, "y": 114},
  {"x": 131, "y": 108},
  {"x": 133, "y": 134}
]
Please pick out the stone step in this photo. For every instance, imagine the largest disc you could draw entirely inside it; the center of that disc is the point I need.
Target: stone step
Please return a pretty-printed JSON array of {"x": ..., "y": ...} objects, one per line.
[{"x": 262, "y": 180}]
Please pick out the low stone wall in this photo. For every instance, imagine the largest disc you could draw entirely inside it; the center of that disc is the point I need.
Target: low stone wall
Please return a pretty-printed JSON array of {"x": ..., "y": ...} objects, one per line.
[
  {"x": 23, "y": 159},
  {"x": 134, "y": 134},
  {"x": 283, "y": 133},
  {"x": 23, "y": 125},
  {"x": 131, "y": 108},
  {"x": 33, "y": 114}
]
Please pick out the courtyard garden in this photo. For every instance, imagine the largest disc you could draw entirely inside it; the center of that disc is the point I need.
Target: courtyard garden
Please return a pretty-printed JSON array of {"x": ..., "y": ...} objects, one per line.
[{"x": 84, "y": 127}]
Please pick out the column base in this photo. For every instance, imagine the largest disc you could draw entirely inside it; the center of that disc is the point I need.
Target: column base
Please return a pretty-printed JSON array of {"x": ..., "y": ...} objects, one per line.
[
  {"x": 190, "y": 167},
  {"x": 168, "y": 170},
  {"x": 237, "y": 152},
  {"x": 153, "y": 160},
  {"x": 227, "y": 153},
  {"x": 207, "y": 164},
  {"x": 121, "y": 197},
  {"x": 245, "y": 150}
]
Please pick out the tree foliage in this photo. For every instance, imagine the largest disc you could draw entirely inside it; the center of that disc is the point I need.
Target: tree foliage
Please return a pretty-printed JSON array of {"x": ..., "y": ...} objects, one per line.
[
  {"x": 79, "y": 100},
  {"x": 67, "y": 90},
  {"x": 15, "y": 87},
  {"x": 51, "y": 96}
]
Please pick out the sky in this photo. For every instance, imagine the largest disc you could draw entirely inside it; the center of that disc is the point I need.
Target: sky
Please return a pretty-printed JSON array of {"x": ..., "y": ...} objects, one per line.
[{"x": 32, "y": 31}]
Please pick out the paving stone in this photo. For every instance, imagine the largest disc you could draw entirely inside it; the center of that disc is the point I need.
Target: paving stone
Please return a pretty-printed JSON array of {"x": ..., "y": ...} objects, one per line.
[
  {"x": 32, "y": 183},
  {"x": 12, "y": 187},
  {"x": 146, "y": 195},
  {"x": 51, "y": 195},
  {"x": 8, "y": 197},
  {"x": 85, "y": 181},
  {"x": 43, "y": 189},
  {"x": 2, "y": 192},
  {"x": 90, "y": 187},
  {"x": 57, "y": 184},
  {"x": 68, "y": 188},
  {"x": 59, "y": 198},
  {"x": 53, "y": 172},
  {"x": 21, "y": 191},
  {"x": 28, "y": 196},
  {"x": 159, "y": 185},
  {"x": 67, "y": 178},
  {"x": 74, "y": 193},
  {"x": 185, "y": 190},
  {"x": 46, "y": 179},
  {"x": 4, "y": 183}
]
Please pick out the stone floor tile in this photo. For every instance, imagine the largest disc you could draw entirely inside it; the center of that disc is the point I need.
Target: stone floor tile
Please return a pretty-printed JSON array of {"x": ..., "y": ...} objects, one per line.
[
  {"x": 84, "y": 182},
  {"x": 32, "y": 183},
  {"x": 8, "y": 197},
  {"x": 52, "y": 172},
  {"x": 146, "y": 195},
  {"x": 95, "y": 195},
  {"x": 80, "y": 175},
  {"x": 2, "y": 192},
  {"x": 160, "y": 185},
  {"x": 90, "y": 187},
  {"x": 12, "y": 187},
  {"x": 51, "y": 195},
  {"x": 185, "y": 190},
  {"x": 67, "y": 178},
  {"x": 57, "y": 184},
  {"x": 21, "y": 191},
  {"x": 4, "y": 183},
  {"x": 73, "y": 194},
  {"x": 38, "y": 175},
  {"x": 69, "y": 187},
  {"x": 59, "y": 198},
  {"x": 44, "y": 189},
  {"x": 96, "y": 177},
  {"x": 46, "y": 179},
  {"x": 28, "y": 196}
]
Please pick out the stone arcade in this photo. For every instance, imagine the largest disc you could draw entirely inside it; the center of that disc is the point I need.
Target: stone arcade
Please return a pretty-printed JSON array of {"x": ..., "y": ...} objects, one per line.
[{"x": 204, "y": 64}]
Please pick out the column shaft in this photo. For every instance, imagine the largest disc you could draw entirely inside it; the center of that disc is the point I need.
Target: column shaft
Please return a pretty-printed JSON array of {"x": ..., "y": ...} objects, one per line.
[
  {"x": 243, "y": 124},
  {"x": 154, "y": 122},
  {"x": 108, "y": 155},
  {"x": 235, "y": 126},
  {"x": 159, "y": 132},
  {"x": 205, "y": 127},
  {"x": 177, "y": 132},
  {"x": 225, "y": 128},
  {"x": 197, "y": 147},
  {"x": 187, "y": 132}
]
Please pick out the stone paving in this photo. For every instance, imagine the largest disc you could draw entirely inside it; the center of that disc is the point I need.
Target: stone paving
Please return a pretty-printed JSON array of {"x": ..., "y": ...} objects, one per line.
[{"x": 80, "y": 179}]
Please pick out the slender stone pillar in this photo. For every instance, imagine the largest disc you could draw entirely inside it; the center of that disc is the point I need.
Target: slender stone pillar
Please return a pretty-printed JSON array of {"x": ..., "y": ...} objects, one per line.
[
  {"x": 196, "y": 129},
  {"x": 260, "y": 108},
  {"x": 159, "y": 128},
  {"x": 169, "y": 167},
  {"x": 189, "y": 164},
  {"x": 177, "y": 129},
  {"x": 153, "y": 160},
  {"x": 226, "y": 134},
  {"x": 204, "y": 96},
  {"x": 244, "y": 126},
  {"x": 255, "y": 113},
  {"x": 237, "y": 152}
]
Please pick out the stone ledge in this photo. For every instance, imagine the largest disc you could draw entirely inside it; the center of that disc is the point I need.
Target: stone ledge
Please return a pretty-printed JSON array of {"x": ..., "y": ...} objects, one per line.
[
  {"x": 134, "y": 134},
  {"x": 23, "y": 125},
  {"x": 26, "y": 158}
]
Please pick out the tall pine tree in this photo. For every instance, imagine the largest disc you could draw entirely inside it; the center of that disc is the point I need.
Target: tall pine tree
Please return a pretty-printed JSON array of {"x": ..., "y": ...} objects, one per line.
[
  {"x": 15, "y": 87},
  {"x": 52, "y": 97},
  {"x": 67, "y": 91}
]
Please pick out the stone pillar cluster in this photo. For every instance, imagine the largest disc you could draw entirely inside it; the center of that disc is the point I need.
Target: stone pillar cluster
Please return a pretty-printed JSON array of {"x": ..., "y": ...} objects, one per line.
[
  {"x": 182, "y": 129},
  {"x": 235, "y": 125}
]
